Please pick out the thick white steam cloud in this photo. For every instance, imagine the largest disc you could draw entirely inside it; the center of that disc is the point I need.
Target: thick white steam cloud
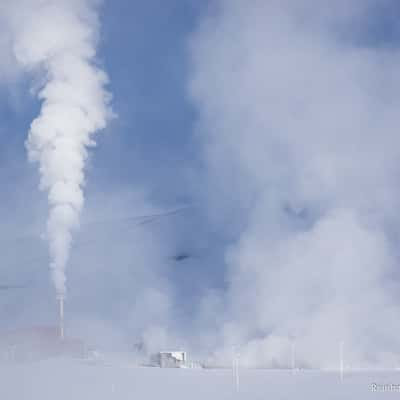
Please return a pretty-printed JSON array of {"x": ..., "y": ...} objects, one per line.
[
  {"x": 56, "y": 40},
  {"x": 299, "y": 106}
]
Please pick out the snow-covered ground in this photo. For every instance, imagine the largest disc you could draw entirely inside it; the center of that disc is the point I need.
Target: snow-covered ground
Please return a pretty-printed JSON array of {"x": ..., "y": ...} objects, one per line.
[{"x": 77, "y": 380}]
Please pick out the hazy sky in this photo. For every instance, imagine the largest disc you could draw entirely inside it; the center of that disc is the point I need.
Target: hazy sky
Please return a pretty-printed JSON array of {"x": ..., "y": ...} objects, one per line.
[{"x": 275, "y": 124}]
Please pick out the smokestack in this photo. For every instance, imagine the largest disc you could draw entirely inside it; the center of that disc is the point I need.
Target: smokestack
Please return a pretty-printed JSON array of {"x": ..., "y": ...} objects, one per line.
[{"x": 61, "y": 299}]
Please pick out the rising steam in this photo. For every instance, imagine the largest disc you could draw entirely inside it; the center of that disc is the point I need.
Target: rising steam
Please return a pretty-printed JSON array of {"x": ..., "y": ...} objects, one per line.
[
  {"x": 299, "y": 105},
  {"x": 57, "y": 41}
]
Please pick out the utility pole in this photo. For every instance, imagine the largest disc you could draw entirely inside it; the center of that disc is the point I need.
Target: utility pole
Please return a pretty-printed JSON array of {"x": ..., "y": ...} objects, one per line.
[
  {"x": 235, "y": 367},
  {"x": 293, "y": 356},
  {"x": 341, "y": 350}
]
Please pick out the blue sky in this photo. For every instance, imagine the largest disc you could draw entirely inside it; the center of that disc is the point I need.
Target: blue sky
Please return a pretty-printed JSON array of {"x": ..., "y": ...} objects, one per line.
[{"x": 144, "y": 50}]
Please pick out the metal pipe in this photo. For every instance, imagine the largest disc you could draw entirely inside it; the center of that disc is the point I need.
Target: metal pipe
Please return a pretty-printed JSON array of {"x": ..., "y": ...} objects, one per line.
[{"x": 61, "y": 316}]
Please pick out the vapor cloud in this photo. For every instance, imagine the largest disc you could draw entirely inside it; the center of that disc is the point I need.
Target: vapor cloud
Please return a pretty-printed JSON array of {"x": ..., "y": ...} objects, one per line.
[{"x": 298, "y": 107}]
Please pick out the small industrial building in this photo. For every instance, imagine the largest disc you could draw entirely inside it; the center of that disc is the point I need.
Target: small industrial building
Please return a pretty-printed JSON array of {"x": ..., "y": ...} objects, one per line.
[
  {"x": 172, "y": 359},
  {"x": 38, "y": 343}
]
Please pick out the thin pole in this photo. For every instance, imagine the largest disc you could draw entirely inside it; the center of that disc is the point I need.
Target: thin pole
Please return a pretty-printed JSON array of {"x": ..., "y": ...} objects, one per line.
[
  {"x": 233, "y": 360},
  {"x": 293, "y": 356},
  {"x": 235, "y": 367},
  {"x": 237, "y": 372},
  {"x": 341, "y": 345}
]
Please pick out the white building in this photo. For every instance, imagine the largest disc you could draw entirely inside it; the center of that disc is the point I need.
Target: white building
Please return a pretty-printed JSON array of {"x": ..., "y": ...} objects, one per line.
[{"x": 172, "y": 359}]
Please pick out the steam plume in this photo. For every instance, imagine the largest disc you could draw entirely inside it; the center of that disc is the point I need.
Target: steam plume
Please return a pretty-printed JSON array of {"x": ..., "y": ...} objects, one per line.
[
  {"x": 299, "y": 115},
  {"x": 57, "y": 40}
]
